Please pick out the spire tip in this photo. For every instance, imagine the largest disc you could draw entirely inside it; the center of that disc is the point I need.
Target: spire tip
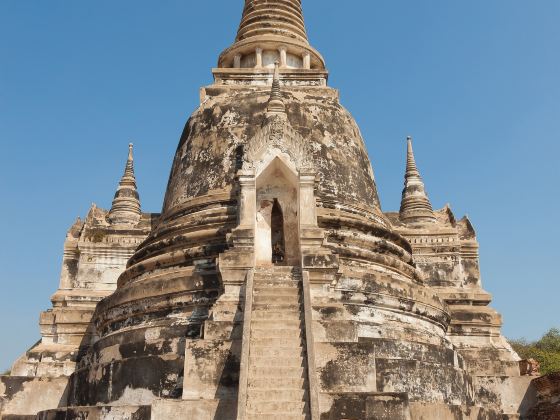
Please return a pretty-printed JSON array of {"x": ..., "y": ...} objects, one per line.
[
  {"x": 126, "y": 203},
  {"x": 275, "y": 103},
  {"x": 415, "y": 204}
]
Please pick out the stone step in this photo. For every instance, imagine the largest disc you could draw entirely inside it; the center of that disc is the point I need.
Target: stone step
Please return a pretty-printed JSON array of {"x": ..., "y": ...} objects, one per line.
[
  {"x": 261, "y": 384},
  {"x": 276, "y": 315},
  {"x": 276, "y": 284},
  {"x": 276, "y": 279},
  {"x": 268, "y": 351},
  {"x": 293, "y": 360},
  {"x": 271, "y": 275},
  {"x": 272, "y": 342},
  {"x": 288, "y": 297},
  {"x": 276, "y": 291},
  {"x": 280, "y": 291},
  {"x": 275, "y": 372},
  {"x": 276, "y": 273},
  {"x": 277, "y": 395},
  {"x": 276, "y": 333},
  {"x": 268, "y": 324},
  {"x": 285, "y": 307},
  {"x": 276, "y": 347},
  {"x": 100, "y": 412},
  {"x": 273, "y": 299},
  {"x": 287, "y": 407},
  {"x": 278, "y": 269},
  {"x": 275, "y": 416}
]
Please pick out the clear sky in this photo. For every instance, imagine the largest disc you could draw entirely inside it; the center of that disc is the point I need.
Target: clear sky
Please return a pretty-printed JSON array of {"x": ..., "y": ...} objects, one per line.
[{"x": 477, "y": 83}]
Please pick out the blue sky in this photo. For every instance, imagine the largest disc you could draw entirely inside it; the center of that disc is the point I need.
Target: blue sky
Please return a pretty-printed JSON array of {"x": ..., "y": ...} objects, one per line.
[{"x": 475, "y": 82}]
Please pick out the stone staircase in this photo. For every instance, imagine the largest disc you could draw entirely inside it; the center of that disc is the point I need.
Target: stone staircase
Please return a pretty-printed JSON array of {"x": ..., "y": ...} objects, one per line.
[{"x": 277, "y": 377}]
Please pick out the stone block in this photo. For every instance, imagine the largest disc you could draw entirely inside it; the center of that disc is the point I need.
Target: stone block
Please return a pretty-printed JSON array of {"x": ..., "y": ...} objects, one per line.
[
  {"x": 27, "y": 395},
  {"x": 436, "y": 411},
  {"x": 222, "y": 330},
  {"x": 424, "y": 381},
  {"x": 364, "y": 406},
  {"x": 335, "y": 331},
  {"x": 345, "y": 367},
  {"x": 513, "y": 394},
  {"x": 211, "y": 369},
  {"x": 547, "y": 406},
  {"x": 194, "y": 410},
  {"x": 122, "y": 412}
]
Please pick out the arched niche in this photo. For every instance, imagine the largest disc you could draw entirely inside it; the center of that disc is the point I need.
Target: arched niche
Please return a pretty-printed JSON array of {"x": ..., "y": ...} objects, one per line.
[{"x": 277, "y": 195}]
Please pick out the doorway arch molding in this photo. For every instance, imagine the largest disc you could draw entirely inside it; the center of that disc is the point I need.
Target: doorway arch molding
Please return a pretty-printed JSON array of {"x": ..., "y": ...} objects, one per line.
[
  {"x": 277, "y": 146},
  {"x": 277, "y": 138}
]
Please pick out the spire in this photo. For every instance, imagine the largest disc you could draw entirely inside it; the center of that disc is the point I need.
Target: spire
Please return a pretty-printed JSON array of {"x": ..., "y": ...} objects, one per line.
[
  {"x": 125, "y": 209},
  {"x": 270, "y": 30},
  {"x": 415, "y": 205},
  {"x": 275, "y": 103}
]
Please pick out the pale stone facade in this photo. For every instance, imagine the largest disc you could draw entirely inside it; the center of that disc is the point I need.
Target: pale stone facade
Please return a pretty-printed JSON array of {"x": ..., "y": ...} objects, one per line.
[{"x": 272, "y": 286}]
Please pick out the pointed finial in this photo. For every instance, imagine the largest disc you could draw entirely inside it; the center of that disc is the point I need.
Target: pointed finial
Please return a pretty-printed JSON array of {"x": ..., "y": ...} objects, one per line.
[
  {"x": 411, "y": 168},
  {"x": 276, "y": 77},
  {"x": 126, "y": 203},
  {"x": 129, "y": 169},
  {"x": 276, "y": 103},
  {"x": 415, "y": 205}
]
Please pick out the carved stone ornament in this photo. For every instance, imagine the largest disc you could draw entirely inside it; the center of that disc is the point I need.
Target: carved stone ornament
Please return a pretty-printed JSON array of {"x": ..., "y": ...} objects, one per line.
[{"x": 277, "y": 137}]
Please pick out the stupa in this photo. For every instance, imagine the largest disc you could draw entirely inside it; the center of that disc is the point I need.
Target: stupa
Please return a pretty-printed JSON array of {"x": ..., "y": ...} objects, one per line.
[{"x": 272, "y": 285}]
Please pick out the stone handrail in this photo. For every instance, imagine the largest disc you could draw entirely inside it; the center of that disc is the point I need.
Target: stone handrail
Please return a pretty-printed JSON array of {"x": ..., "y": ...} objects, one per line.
[
  {"x": 246, "y": 344},
  {"x": 310, "y": 347}
]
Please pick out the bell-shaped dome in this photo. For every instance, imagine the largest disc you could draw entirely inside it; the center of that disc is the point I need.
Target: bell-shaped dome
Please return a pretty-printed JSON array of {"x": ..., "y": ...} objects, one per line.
[{"x": 216, "y": 136}]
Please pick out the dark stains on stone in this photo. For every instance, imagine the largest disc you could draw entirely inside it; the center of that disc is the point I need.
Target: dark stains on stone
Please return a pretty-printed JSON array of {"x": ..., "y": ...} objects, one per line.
[
  {"x": 230, "y": 375},
  {"x": 222, "y": 124},
  {"x": 348, "y": 407},
  {"x": 423, "y": 382},
  {"x": 151, "y": 373},
  {"x": 96, "y": 235},
  {"x": 14, "y": 384},
  {"x": 88, "y": 413},
  {"x": 350, "y": 368},
  {"x": 71, "y": 266},
  {"x": 400, "y": 349},
  {"x": 368, "y": 406},
  {"x": 328, "y": 312},
  {"x": 193, "y": 331}
]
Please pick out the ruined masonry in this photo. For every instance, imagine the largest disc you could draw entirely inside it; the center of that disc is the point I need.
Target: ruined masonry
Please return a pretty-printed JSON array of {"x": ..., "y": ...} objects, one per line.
[{"x": 272, "y": 285}]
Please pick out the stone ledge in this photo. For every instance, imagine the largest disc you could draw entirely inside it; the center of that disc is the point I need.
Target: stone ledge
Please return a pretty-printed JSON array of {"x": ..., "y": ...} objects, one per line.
[
  {"x": 127, "y": 412},
  {"x": 364, "y": 406},
  {"x": 25, "y": 396},
  {"x": 194, "y": 409}
]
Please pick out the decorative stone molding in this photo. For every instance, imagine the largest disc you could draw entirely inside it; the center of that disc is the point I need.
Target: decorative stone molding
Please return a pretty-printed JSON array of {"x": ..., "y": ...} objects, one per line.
[{"x": 277, "y": 138}]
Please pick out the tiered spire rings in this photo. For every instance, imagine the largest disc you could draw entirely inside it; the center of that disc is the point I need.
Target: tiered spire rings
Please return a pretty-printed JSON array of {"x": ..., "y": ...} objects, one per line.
[
  {"x": 415, "y": 205},
  {"x": 125, "y": 209},
  {"x": 275, "y": 103},
  {"x": 272, "y": 30}
]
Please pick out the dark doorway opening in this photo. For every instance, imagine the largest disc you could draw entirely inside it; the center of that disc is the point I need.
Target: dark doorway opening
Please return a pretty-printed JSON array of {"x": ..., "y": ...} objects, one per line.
[{"x": 277, "y": 234}]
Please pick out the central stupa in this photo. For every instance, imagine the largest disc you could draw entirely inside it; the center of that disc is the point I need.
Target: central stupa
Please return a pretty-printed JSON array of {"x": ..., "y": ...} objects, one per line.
[{"x": 274, "y": 287}]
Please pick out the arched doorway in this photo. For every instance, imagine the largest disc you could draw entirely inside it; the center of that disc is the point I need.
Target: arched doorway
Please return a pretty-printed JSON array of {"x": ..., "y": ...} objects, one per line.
[
  {"x": 277, "y": 224},
  {"x": 277, "y": 234}
]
